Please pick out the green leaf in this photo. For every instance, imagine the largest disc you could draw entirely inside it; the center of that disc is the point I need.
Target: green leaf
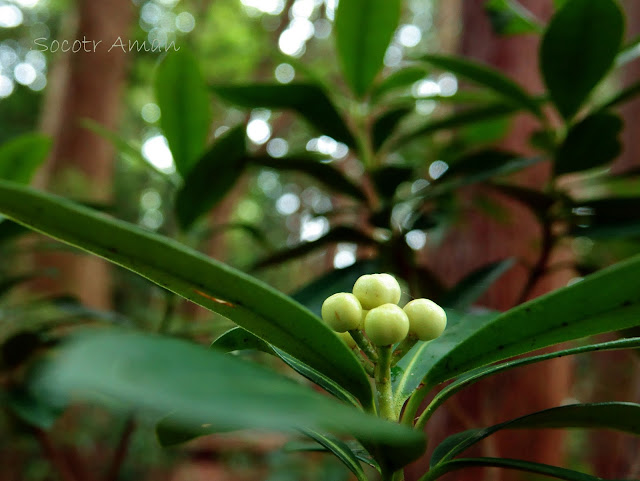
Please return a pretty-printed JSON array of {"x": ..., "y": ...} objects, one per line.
[
  {"x": 339, "y": 280},
  {"x": 592, "y": 142},
  {"x": 337, "y": 234},
  {"x": 618, "y": 416},
  {"x": 487, "y": 77},
  {"x": 385, "y": 125},
  {"x": 341, "y": 450},
  {"x": 483, "y": 372},
  {"x": 400, "y": 79},
  {"x": 603, "y": 302},
  {"x": 10, "y": 230},
  {"x": 578, "y": 49},
  {"x": 515, "y": 464},
  {"x": 238, "y": 339},
  {"x": 409, "y": 372},
  {"x": 455, "y": 120},
  {"x": 212, "y": 177},
  {"x": 624, "y": 95},
  {"x": 364, "y": 29},
  {"x": 475, "y": 284},
  {"x": 20, "y": 157},
  {"x": 182, "y": 96},
  {"x": 606, "y": 218},
  {"x": 508, "y": 17},
  {"x": 629, "y": 52},
  {"x": 198, "y": 386},
  {"x": 307, "y": 100},
  {"x": 308, "y": 164},
  {"x": 34, "y": 411},
  {"x": 354, "y": 446},
  {"x": 478, "y": 162},
  {"x": 250, "y": 303}
]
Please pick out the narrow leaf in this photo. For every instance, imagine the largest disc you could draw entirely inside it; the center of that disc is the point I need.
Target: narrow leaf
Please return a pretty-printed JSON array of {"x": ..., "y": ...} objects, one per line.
[
  {"x": 338, "y": 234},
  {"x": 606, "y": 218},
  {"x": 341, "y": 450},
  {"x": 183, "y": 99},
  {"x": 386, "y": 124},
  {"x": 20, "y": 157},
  {"x": 307, "y": 100},
  {"x": 364, "y": 29},
  {"x": 483, "y": 372},
  {"x": 253, "y": 305},
  {"x": 475, "y": 284},
  {"x": 487, "y": 77},
  {"x": 578, "y": 49},
  {"x": 400, "y": 79},
  {"x": 200, "y": 387},
  {"x": 592, "y": 142},
  {"x": 212, "y": 177},
  {"x": 603, "y": 302},
  {"x": 324, "y": 173},
  {"x": 618, "y": 416},
  {"x": 455, "y": 120},
  {"x": 515, "y": 464},
  {"x": 306, "y": 446}
]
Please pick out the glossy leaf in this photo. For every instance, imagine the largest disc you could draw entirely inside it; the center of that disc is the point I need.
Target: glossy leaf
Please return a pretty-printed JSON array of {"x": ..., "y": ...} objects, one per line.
[
  {"x": 212, "y": 177},
  {"x": 606, "y": 218},
  {"x": 341, "y": 450},
  {"x": 487, "y": 77},
  {"x": 386, "y": 124},
  {"x": 198, "y": 386},
  {"x": 483, "y": 372},
  {"x": 266, "y": 312},
  {"x": 400, "y": 79},
  {"x": 508, "y": 17},
  {"x": 578, "y": 49},
  {"x": 356, "y": 448},
  {"x": 478, "y": 162},
  {"x": 388, "y": 178},
  {"x": 455, "y": 120},
  {"x": 338, "y": 234},
  {"x": 515, "y": 464},
  {"x": 603, "y": 302},
  {"x": 409, "y": 372},
  {"x": 183, "y": 98},
  {"x": 20, "y": 157},
  {"x": 629, "y": 52},
  {"x": 535, "y": 200},
  {"x": 592, "y": 142},
  {"x": 618, "y": 416},
  {"x": 325, "y": 174},
  {"x": 32, "y": 410},
  {"x": 238, "y": 339},
  {"x": 475, "y": 284},
  {"x": 10, "y": 230},
  {"x": 307, "y": 100},
  {"x": 364, "y": 29}
]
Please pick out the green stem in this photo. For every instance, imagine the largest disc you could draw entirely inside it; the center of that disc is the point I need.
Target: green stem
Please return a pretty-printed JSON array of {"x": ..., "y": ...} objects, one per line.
[
  {"x": 383, "y": 384},
  {"x": 403, "y": 348},
  {"x": 415, "y": 401},
  {"x": 169, "y": 311},
  {"x": 364, "y": 344}
]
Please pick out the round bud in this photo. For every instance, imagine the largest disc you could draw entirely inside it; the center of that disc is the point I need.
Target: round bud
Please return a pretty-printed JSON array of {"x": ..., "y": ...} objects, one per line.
[
  {"x": 386, "y": 325},
  {"x": 347, "y": 339},
  {"x": 342, "y": 312},
  {"x": 426, "y": 318},
  {"x": 374, "y": 290}
]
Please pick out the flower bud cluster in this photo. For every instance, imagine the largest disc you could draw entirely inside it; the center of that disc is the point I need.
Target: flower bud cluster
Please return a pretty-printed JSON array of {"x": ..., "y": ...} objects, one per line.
[{"x": 373, "y": 308}]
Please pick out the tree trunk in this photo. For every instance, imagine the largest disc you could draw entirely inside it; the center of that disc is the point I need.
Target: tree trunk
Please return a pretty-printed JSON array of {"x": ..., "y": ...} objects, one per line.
[
  {"x": 84, "y": 85},
  {"x": 481, "y": 240}
]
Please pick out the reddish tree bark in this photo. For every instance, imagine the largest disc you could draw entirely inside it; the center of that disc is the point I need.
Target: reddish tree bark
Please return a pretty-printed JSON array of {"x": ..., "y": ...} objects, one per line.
[
  {"x": 480, "y": 240},
  {"x": 85, "y": 85}
]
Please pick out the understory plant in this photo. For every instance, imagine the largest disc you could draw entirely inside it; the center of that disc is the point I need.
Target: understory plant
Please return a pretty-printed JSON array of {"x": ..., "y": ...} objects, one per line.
[{"x": 386, "y": 361}]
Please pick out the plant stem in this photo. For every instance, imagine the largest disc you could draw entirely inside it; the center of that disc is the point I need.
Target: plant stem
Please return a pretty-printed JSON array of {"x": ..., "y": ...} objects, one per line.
[
  {"x": 122, "y": 449},
  {"x": 51, "y": 453},
  {"x": 540, "y": 267},
  {"x": 383, "y": 384},
  {"x": 403, "y": 348},
  {"x": 364, "y": 344},
  {"x": 415, "y": 401}
]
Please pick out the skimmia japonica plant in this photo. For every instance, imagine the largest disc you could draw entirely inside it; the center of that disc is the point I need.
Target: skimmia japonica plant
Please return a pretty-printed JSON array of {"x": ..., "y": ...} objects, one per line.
[{"x": 386, "y": 360}]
